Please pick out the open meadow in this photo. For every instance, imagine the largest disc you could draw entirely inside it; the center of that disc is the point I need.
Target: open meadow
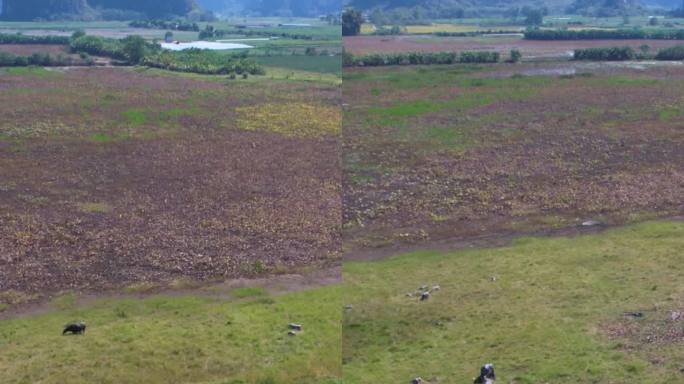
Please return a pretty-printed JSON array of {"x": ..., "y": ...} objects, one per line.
[
  {"x": 599, "y": 308},
  {"x": 213, "y": 335}
]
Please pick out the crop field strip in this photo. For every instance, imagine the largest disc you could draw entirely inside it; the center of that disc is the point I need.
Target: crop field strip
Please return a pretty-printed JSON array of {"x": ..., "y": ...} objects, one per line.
[{"x": 359, "y": 45}]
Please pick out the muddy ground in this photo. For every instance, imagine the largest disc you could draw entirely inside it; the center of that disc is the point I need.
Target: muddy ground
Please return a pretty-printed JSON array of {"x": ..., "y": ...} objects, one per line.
[
  {"x": 456, "y": 154},
  {"x": 29, "y": 49},
  {"x": 111, "y": 177}
]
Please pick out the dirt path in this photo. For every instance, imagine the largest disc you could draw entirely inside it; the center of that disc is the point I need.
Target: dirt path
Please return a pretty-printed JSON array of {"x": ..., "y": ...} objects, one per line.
[
  {"x": 490, "y": 240},
  {"x": 274, "y": 285}
]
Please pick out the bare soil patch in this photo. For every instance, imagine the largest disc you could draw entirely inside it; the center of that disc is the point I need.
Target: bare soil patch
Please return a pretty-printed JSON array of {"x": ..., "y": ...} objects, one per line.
[{"x": 29, "y": 49}]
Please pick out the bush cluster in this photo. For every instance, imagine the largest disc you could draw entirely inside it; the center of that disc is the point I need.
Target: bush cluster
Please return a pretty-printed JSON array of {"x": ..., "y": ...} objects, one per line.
[
  {"x": 605, "y": 54},
  {"x": 388, "y": 31},
  {"x": 419, "y": 58},
  {"x": 130, "y": 49},
  {"x": 135, "y": 50},
  {"x": 671, "y": 53},
  {"x": 627, "y": 53},
  {"x": 204, "y": 62}
]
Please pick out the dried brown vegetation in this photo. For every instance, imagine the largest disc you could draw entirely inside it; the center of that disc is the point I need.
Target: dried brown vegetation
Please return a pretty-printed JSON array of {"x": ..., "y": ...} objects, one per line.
[
  {"x": 110, "y": 177},
  {"x": 460, "y": 152}
]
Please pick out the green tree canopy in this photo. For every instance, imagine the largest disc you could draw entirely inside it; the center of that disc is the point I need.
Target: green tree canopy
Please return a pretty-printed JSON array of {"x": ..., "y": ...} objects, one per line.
[{"x": 351, "y": 22}]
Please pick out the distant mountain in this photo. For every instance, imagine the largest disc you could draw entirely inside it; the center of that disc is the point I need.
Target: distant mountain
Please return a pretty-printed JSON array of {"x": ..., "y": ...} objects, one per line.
[
  {"x": 447, "y": 8},
  {"x": 416, "y": 9},
  {"x": 32, "y": 9},
  {"x": 85, "y": 9},
  {"x": 150, "y": 8},
  {"x": 272, "y": 7},
  {"x": 604, "y": 8},
  {"x": 667, "y": 4}
]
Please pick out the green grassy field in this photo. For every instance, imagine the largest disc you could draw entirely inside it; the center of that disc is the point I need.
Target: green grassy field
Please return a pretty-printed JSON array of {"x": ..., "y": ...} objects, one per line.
[
  {"x": 179, "y": 339},
  {"x": 542, "y": 320},
  {"x": 318, "y": 64}
]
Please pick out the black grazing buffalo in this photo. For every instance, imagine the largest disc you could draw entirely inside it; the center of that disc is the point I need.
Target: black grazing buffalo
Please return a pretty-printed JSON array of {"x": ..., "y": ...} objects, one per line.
[{"x": 75, "y": 328}]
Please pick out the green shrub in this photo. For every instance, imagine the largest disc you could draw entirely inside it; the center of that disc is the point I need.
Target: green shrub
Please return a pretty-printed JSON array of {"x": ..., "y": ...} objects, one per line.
[
  {"x": 419, "y": 58},
  {"x": 204, "y": 62},
  {"x": 605, "y": 54},
  {"x": 385, "y": 31},
  {"x": 515, "y": 56},
  {"x": 672, "y": 53}
]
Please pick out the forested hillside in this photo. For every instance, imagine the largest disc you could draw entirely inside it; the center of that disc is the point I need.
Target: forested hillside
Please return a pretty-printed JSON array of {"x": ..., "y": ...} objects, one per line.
[
  {"x": 603, "y": 8},
  {"x": 151, "y": 8},
  {"x": 451, "y": 8},
  {"x": 274, "y": 7},
  {"x": 430, "y": 9},
  {"x": 32, "y": 9},
  {"x": 75, "y": 9}
]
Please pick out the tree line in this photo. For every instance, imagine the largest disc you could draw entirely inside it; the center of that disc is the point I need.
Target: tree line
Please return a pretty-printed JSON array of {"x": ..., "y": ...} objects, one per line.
[
  {"x": 600, "y": 34},
  {"x": 419, "y": 58},
  {"x": 174, "y": 25},
  {"x": 132, "y": 50},
  {"x": 17, "y": 38},
  {"x": 627, "y": 53}
]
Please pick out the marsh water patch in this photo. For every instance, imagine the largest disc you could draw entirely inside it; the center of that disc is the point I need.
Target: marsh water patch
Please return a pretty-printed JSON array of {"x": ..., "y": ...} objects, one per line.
[
  {"x": 578, "y": 67},
  {"x": 211, "y": 45}
]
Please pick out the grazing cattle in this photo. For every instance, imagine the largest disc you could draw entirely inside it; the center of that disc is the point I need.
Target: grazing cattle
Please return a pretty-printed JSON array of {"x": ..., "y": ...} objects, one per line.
[
  {"x": 296, "y": 327},
  {"x": 417, "y": 380},
  {"x": 487, "y": 375},
  {"x": 424, "y": 296},
  {"x": 75, "y": 328}
]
